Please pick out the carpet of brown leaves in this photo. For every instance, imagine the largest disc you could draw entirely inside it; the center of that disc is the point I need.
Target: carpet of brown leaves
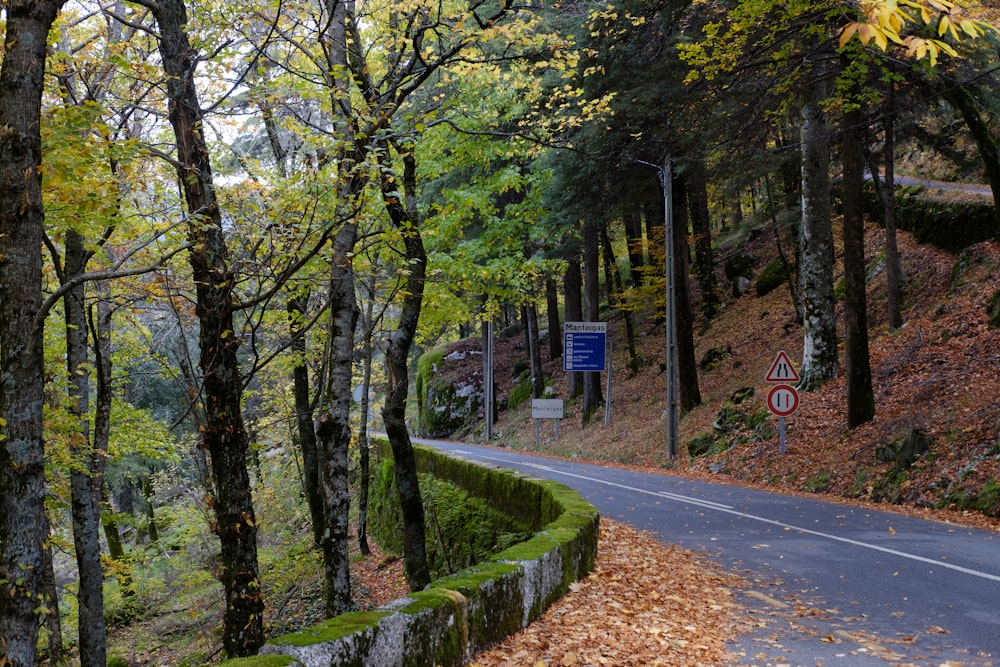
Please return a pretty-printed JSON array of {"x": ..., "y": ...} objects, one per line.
[{"x": 646, "y": 603}]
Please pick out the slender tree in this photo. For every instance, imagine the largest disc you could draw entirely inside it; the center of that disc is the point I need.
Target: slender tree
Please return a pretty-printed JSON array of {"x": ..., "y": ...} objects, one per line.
[
  {"x": 24, "y": 526},
  {"x": 860, "y": 394},
  {"x": 224, "y": 434},
  {"x": 696, "y": 177},
  {"x": 406, "y": 220},
  {"x": 819, "y": 348}
]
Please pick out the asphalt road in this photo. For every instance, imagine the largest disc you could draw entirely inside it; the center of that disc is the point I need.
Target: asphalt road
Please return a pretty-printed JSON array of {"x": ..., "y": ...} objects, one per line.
[{"x": 831, "y": 584}]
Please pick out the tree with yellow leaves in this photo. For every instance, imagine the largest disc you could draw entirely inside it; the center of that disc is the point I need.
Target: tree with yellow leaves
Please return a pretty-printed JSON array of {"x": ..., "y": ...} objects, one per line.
[{"x": 885, "y": 21}]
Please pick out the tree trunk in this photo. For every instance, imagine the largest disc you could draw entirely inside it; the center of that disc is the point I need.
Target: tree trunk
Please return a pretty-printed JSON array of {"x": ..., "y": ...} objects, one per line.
[
  {"x": 689, "y": 394},
  {"x": 87, "y": 468},
  {"x": 552, "y": 311},
  {"x": 819, "y": 349},
  {"x": 223, "y": 435},
  {"x": 397, "y": 353},
  {"x": 894, "y": 272},
  {"x": 334, "y": 429},
  {"x": 24, "y": 526},
  {"x": 592, "y": 395},
  {"x": 573, "y": 298},
  {"x": 701, "y": 227},
  {"x": 886, "y": 191},
  {"x": 961, "y": 98},
  {"x": 304, "y": 430},
  {"x": 615, "y": 287},
  {"x": 534, "y": 349},
  {"x": 860, "y": 395},
  {"x": 52, "y": 621},
  {"x": 100, "y": 328},
  {"x": 364, "y": 465},
  {"x": 636, "y": 252},
  {"x": 735, "y": 212}
]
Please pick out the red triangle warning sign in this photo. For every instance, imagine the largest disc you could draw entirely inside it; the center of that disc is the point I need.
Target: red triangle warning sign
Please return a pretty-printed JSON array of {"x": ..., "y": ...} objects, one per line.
[{"x": 782, "y": 370}]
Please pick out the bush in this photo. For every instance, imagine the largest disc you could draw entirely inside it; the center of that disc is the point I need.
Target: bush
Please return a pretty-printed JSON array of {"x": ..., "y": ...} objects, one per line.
[
  {"x": 519, "y": 394},
  {"x": 734, "y": 426}
]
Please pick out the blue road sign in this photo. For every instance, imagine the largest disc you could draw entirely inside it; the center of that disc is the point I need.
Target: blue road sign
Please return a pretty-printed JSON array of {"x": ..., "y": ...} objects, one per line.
[{"x": 585, "y": 346}]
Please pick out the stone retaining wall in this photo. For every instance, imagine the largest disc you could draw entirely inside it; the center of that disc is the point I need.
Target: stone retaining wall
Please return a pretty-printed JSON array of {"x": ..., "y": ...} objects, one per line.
[{"x": 460, "y": 615}]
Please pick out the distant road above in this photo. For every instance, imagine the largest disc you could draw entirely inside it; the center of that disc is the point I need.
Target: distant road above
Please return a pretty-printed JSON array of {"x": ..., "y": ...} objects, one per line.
[
  {"x": 833, "y": 584},
  {"x": 949, "y": 186}
]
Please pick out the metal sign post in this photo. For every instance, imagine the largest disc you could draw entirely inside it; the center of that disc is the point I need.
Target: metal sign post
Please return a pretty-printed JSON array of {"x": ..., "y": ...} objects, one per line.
[
  {"x": 488, "y": 396},
  {"x": 666, "y": 184},
  {"x": 607, "y": 401}
]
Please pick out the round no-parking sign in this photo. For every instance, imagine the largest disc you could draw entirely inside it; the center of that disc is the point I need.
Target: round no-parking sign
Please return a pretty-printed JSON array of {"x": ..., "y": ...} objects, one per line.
[{"x": 782, "y": 400}]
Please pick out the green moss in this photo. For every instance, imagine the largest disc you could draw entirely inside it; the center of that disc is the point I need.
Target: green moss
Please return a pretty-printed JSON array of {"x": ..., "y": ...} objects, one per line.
[
  {"x": 442, "y": 408},
  {"x": 772, "y": 277},
  {"x": 986, "y": 501},
  {"x": 333, "y": 629},
  {"x": 734, "y": 425},
  {"x": 993, "y": 311},
  {"x": 437, "y": 628},
  {"x": 472, "y": 578},
  {"x": 862, "y": 479},
  {"x": 485, "y": 603},
  {"x": 817, "y": 483},
  {"x": 519, "y": 394},
  {"x": 463, "y": 527},
  {"x": 988, "y": 498},
  {"x": 495, "y": 600}
]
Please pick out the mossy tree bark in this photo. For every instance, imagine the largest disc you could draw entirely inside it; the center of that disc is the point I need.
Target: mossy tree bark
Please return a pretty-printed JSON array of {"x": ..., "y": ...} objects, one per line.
[
  {"x": 24, "y": 526},
  {"x": 87, "y": 469},
  {"x": 819, "y": 348}
]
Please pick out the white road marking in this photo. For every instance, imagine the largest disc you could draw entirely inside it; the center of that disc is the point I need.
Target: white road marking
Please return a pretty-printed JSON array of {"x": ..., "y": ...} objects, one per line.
[{"x": 728, "y": 509}]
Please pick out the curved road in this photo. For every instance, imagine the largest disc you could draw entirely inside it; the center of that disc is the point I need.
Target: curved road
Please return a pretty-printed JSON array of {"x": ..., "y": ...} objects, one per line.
[{"x": 831, "y": 584}]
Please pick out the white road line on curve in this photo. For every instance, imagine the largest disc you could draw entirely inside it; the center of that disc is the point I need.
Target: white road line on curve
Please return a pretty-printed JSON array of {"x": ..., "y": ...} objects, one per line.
[{"x": 728, "y": 509}]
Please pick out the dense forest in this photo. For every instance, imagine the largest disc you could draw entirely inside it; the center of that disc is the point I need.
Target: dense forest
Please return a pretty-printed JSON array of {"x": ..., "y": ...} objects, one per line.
[{"x": 228, "y": 228}]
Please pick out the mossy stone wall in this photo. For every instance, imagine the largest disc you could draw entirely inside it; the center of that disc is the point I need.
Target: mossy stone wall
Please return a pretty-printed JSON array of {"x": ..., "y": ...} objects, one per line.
[
  {"x": 460, "y": 615},
  {"x": 951, "y": 226},
  {"x": 463, "y": 529}
]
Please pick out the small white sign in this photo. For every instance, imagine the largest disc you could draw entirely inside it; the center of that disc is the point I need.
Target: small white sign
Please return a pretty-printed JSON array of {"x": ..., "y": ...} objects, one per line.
[{"x": 547, "y": 408}]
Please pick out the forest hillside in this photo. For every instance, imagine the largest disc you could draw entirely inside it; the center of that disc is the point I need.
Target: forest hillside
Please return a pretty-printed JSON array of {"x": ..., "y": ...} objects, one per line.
[{"x": 935, "y": 439}]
